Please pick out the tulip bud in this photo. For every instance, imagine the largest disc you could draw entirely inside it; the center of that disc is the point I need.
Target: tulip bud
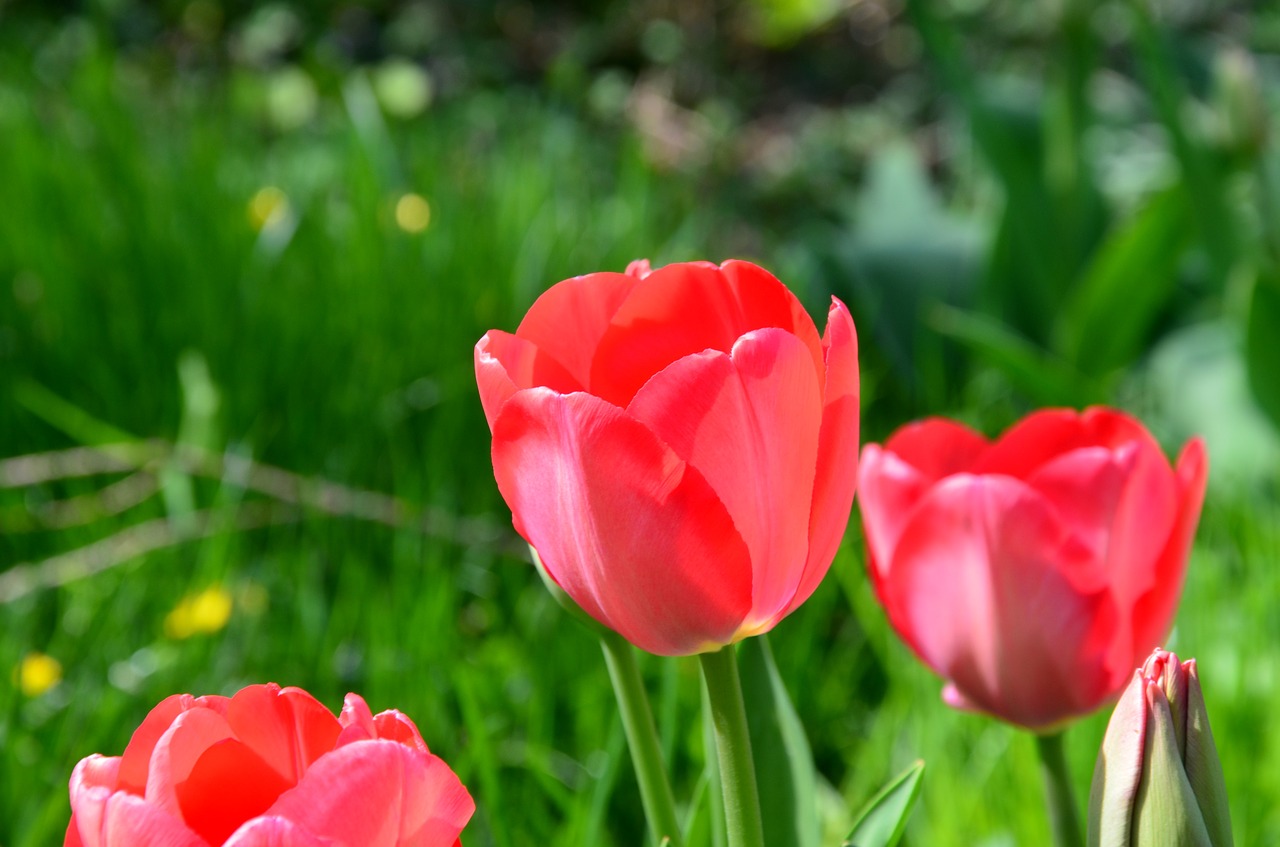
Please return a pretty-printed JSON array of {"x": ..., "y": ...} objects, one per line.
[
  {"x": 1239, "y": 103},
  {"x": 1158, "y": 780}
]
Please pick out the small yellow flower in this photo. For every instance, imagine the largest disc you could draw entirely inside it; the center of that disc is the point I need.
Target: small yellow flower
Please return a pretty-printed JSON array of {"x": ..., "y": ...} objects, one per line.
[
  {"x": 268, "y": 207},
  {"x": 413, "y": 213},
  {"x": 199, "y": 614},
  {"x": 38, "y": 673}
]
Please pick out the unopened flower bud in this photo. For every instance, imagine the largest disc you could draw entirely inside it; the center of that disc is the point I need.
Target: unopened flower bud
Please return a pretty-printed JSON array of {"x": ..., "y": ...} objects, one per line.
[
  {"x": 1239, "y": 102},
  {"x": 1158, "y": 781}
]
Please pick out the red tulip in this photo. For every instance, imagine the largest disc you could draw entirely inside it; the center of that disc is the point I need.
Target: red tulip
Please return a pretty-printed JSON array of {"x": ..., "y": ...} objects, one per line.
[
  {"x": 269, "y": 767},
  {"x": 679, "y": 446},
  {"x": 1033, "y": 573}
]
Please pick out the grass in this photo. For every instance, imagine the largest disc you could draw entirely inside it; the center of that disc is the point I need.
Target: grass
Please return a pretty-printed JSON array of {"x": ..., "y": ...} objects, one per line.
[{"x": 140, "y": 301}]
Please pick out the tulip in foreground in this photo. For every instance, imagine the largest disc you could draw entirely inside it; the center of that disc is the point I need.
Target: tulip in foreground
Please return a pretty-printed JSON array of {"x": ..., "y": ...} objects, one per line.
[
  {"x": 679, "y": 446},
  {"x": 268, "y": 767},
  {"x": 1033, "y": 573},
  {"x": 1158, "y": 781}
]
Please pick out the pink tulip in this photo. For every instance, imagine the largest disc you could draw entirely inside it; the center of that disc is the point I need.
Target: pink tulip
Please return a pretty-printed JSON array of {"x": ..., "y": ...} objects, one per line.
[
  {"x": 1033, "y": 573},
  {"x": 679, "y": 446},
  {"x": 269, "y": 767}
]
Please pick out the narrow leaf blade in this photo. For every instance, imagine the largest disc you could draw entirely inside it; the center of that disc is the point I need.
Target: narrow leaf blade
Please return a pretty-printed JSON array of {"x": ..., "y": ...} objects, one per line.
[
  {"x": 885, "y": 817},
  {"x": 781, "y": 751}
]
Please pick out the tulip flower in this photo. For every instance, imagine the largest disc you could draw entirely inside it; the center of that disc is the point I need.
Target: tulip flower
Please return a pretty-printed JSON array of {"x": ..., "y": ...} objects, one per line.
[
  {"x": 678, "y": 445},
  {"x": 1158, "y": 780},
  {"x": 268, "y": 767},
  {"x": 1033, "y": 573}
]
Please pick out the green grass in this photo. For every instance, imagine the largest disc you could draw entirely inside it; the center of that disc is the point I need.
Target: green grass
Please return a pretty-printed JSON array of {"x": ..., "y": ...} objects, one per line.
[{"x": 341, "y": 348}]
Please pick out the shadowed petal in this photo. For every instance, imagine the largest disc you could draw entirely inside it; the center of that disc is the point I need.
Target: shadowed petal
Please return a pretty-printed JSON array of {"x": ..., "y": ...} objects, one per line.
[
  {"x": 568, "y": 320},
  {"x": 1085, "y": 487},
  {"x": 176, "y": 753},
  {"x": 287, "y": 727},
  {"x": 507, "y": 363},
  {"x": 1048, "y": 433},
  {"x": 682, "y": 309},
  {"x": 136, "y": 760},
  {"x": 229, "y": 784},
  {"x": 937, "y": 447}
]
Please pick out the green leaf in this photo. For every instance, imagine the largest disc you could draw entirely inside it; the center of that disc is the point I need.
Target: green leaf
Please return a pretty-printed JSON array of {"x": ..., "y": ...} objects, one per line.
[
  {"x": 1259, "y": 349},
  {"x": 781, "y": 751},
  {"x": 1130, "y": 280},
  {"x": 66, "y": 417},
  {"x": 1045, "y": 380},
  {"x": 885, "y": 817}
]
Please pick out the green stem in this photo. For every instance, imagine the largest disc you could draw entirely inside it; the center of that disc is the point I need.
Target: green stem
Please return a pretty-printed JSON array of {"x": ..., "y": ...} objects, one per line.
[
  {"x": 1064, "y": 818},
  {"x": 642, "y": 738},
  {"x": 733, "y": 745}
]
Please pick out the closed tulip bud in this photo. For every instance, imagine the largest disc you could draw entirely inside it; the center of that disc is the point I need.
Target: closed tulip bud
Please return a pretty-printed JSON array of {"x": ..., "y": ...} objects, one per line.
[
  {"x": 1158, "y": 781},
  {"x": 1240, "y": 104}
]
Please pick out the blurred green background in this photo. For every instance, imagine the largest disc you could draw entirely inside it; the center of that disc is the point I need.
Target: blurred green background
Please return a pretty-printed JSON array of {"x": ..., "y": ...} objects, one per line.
[{"x": 246, "y": 249}]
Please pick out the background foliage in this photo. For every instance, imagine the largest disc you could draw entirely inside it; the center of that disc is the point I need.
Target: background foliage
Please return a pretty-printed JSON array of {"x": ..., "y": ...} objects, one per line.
[{"x": 270, "y": 235}]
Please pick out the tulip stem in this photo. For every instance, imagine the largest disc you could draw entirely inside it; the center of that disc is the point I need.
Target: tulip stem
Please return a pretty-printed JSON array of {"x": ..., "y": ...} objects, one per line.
[
  {"x": 1064, "y": 817},
  {"x": 733, "y": 746},
  {"x": 642, "y": 739}
]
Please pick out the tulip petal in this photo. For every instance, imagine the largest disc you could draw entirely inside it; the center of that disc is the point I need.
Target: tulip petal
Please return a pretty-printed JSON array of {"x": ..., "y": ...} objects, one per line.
[
  {"x": 767, "y": 301},
  {"x": 682, "y": 309},
  {"x": 837, "y": 472},
  {"x": 287, "y": 727},
  {"x": 979, "y": 578},
  {"x": 1048, "y": 433},
  {"x": 95, "y": 771},
  {"x": 1204, "y": 769},
  {"x": 136, "y": 760},
  {"x": 273, "y": 831},
  {"x": 1085, "y": 487},
  {"x": 396, "y": 726},
  {"x": 1153, "y": 612},
  {"x": 632, "y": 532},
  {"x": 119, "y": 819},
  {"x": 360, "y": 724},
  {"x": 1167, "y": 811},
  {"x": 176, "y": 753},
  {"x": 229, "y": 784},
  {"x": 380, "y": 794},
  {"x": 506, "y": 363},
  {"x": 894, "y": 478},
  {"x": 938, "y": 447},
  {"x": 568, "y": 320},
  {"x": 93, "y": 782},
  {"x": 356, "y": 719},
  {"x": 1119, "y": 769},
  {"x": 749, "y": 423},
  {"x": 1121, "y": 502}
]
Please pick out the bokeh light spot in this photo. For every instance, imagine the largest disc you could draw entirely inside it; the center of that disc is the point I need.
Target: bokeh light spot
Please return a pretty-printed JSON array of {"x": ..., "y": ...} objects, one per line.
[
  {"x": 268, "y": 207},
  {"x": 38, "y": 673},
  {"x": 413, "y": 213},
  {"x": 199, "y": 614}
]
